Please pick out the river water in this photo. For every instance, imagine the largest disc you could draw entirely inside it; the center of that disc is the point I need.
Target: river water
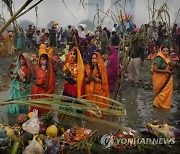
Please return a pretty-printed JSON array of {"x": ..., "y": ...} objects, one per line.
[{"x": 137, "y": 100}]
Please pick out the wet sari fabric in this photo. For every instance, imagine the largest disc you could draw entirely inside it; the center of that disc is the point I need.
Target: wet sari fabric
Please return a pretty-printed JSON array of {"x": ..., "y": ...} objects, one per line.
[
  {"x": 19, "y": 88},
  {"x": 163, "y": 99}
]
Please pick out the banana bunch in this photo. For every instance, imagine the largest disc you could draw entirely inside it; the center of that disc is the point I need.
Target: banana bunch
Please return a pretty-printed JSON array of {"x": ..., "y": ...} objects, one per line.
[{"x": 38, "y": 138}]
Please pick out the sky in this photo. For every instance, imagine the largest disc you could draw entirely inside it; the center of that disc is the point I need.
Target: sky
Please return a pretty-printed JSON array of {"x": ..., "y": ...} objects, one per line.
[
  {"x": 55, "y": 10},
  {"x": 51, "y": 10}
]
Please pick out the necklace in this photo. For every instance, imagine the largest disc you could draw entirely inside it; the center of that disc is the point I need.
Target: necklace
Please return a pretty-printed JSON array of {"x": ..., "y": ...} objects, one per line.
[
  {"x": 22, "y": 66},
  {"x": 43, "y": 67}
]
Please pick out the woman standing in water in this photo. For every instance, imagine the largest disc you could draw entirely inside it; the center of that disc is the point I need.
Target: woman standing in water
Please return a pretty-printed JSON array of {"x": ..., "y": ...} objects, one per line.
[
  {"x": 44, "y": 81},
  {"x": 20, "y": 84},
  {"x": 96, "y": 81},
  {"x": 112, "y": 68},
  {"x": 74, "y": 74},
  {"x": 162, "y": 79}
]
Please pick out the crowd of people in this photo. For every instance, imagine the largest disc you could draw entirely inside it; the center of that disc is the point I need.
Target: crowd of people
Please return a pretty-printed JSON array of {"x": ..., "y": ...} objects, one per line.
[{"x": 92, "y": 63}]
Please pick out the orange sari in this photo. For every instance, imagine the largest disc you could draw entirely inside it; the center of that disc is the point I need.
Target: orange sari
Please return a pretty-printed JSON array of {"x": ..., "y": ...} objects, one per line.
[
  {"x": 101, "y": 89},
  {"x": 6, "y": 45},
  {"x": 45, "y": 84},
  {"x": 163, "y": 99}
]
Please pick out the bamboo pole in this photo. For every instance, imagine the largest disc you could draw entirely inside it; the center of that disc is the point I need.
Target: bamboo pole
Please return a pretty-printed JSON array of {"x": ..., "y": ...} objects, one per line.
[
  {"x": 29, "y": 9},
  {"x": 14, "y": 16}
]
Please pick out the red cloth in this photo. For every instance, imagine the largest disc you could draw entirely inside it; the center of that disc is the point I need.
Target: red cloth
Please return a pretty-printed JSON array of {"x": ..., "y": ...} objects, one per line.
[
  {"x": 70, "y": 89},
  {"x": 45, "y": 84}
]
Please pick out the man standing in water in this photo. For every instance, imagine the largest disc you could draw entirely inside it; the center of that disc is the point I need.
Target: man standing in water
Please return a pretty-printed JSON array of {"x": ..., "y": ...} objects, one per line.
[{"x": 136, "y": 60}]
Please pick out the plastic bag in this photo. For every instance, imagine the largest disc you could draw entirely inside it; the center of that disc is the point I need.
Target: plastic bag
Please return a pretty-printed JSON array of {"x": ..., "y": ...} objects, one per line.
[
  {"x": 33, "y": 148},
  {"x": 32, "y": 125}
]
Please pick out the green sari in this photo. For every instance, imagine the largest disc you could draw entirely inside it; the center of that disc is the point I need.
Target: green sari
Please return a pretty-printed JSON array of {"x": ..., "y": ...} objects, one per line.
[{"x": 19, "y": 89}]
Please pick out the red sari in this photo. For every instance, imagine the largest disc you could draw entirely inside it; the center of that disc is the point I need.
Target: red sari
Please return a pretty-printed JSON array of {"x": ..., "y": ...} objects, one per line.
[{"x": 45, "y": 84}]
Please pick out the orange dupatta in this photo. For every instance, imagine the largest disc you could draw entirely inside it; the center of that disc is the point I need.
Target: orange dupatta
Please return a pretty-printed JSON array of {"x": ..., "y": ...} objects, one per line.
[{"x": 98, "y": 88}]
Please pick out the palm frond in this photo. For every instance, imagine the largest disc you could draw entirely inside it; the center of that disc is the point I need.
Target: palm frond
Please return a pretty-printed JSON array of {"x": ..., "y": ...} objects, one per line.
[{"x": 59, "y": 104}]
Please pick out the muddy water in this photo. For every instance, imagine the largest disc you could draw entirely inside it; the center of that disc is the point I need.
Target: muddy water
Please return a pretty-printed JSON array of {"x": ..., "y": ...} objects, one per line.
[{"x": 137, "y": 101}]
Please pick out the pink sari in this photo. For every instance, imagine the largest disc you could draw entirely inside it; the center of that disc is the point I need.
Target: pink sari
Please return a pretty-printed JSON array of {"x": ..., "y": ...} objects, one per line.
[{"x": 112, "y": 68}]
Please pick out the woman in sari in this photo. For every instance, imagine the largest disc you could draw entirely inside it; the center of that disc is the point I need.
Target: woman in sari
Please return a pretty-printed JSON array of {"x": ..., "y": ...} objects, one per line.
[
  {"x": 6, "y": 45},
  {"x": 44, "y": 81},
  {"x": 20, "y": 84},
  {"x": 21, "y": 40},
  {"x": 162, "y": 79},
  {"x": 74, "y": 74},
  {"x": 112, "y": 68},
  {"x": 90, "y": 51},
  {"x": 96, "y": 81}
]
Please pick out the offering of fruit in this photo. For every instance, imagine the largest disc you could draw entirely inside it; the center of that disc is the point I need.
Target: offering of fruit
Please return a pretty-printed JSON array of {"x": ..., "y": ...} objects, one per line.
[
  {"x": 52, "y": 131},
  {"x": 159, "y": 128},
  {"x": 30, "y": 114},
  {"x": 75, "y": 134},
  {"x": 21, "y": 119}
]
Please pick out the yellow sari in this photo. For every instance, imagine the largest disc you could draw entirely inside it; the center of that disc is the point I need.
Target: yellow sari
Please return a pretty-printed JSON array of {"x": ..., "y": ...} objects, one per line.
[{"x": 163, "y": 99}]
